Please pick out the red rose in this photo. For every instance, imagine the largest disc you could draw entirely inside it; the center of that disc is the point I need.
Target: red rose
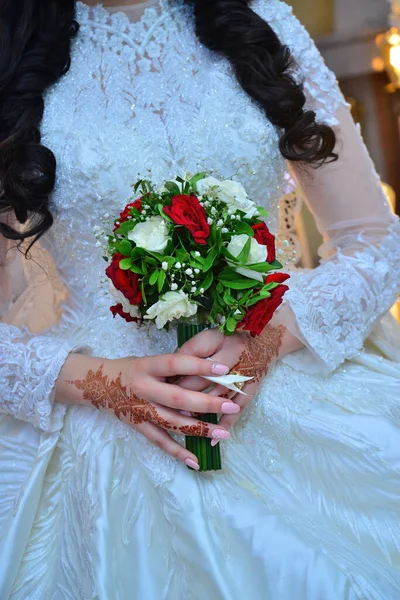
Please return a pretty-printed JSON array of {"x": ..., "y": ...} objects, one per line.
[
  {"x": 259, "y": 315},
  {"x": 127, "y": 211},
  {"x": 263, "y": 236},
  {"x": 124, "y": 281},
  {"x": 118, "y": 310},
  {"x": 276, "y": 278},
  {"x": 187, "y": 211}
]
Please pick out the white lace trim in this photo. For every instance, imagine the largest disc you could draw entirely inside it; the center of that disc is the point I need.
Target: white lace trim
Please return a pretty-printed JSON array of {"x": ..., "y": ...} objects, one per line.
[
  {"x": 337, "y": 304},
  {"x": 28, "y": 372}
]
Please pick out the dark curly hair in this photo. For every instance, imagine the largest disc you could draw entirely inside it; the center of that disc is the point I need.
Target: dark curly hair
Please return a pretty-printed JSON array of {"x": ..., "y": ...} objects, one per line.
[{"x": 35, "y": 53}]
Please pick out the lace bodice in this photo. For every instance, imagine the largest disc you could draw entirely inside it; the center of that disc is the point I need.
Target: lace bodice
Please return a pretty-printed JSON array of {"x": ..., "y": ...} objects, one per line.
[{"x": 147, "y": 99}]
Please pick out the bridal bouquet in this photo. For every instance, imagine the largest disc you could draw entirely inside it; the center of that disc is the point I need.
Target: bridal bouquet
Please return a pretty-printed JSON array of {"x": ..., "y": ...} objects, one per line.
[{"x": 195, "y": 253}]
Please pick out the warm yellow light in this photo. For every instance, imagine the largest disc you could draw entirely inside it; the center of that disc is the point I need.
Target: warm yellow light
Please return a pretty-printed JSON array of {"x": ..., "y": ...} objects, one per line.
[
  {"x": 378, "y": 64},
  {"x": 395, "y": 57},
  {"x": 394, "y": 39},
  {"x": 389, "y": 46},
  {"x": 390, "y": 194}
]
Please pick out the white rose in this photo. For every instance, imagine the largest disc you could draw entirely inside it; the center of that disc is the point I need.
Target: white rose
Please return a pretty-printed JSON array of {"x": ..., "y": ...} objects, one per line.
[
  {"x": 257, "y": 254},
  {"x": 127, "y": 307},
  {"x": 172, "y": 305},
  {"x": 151, "y": 234},
  {"x": 230, "y": 192}
]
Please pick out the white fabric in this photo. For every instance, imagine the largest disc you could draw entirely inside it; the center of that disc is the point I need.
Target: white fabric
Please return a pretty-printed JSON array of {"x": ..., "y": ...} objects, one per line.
[{"x": 307, "y": 503}]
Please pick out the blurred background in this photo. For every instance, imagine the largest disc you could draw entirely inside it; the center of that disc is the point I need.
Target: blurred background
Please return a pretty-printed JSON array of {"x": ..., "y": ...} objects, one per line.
[{"x": 360, "y": 41}]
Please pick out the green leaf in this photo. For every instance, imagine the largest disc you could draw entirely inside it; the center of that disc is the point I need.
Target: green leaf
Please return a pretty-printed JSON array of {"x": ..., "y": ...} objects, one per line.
[
  {"x": 125, "y": 264},
  {"x": 231, "y": 324},
  {"x": 199, "y": 259},
  {"x": 161, "y": 281},
  {"x": 125, "y": 227},
  {"x": 242, "y": 227},
  {"x": 159, "y": 257},
  {"x": 271, "y": 286},
  {"x": 210, "y": 259},
  {"x": 151, "y": 261},
  {"x": 276, "y": 264},
  {"x": 124, "y": 247},
  {"x": 172, "y": 188},
  {"x": 244, "y": 284},
  {"x": 153, "y": 277},
  {"x": 257, "y": 299},
  {"x": 137, "y": 253},
  {"x": 143, "y": 293},
  {"x": 245, "y": 297},
  {"x": 208, "y": 280},
  {"x": 228, "y": 298},
  {"x": 262, "y": 211},
  {"x": 160, "y": 209},
  {"x": 229, "y": 273},
  {"x": 244, "y": 254},
  {"x": 196, "y": 178},
  {"x": 136, "y": 269},
  {"x": 263, "y": 267}
]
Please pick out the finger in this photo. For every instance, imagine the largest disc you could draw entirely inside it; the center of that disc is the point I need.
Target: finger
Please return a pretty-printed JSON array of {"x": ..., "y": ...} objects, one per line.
[
  {"x": 228, "y": 421},
  {"x": 176, "y": 422},
  {"x": 203, "y": 344},
  {"x": 161, "y": 438},
  {"x": 177, "y": 398},
  {"x": 222, "y": 392},
  {"x": 228, "y": 355},
  {"x": 180, "y": 364}
]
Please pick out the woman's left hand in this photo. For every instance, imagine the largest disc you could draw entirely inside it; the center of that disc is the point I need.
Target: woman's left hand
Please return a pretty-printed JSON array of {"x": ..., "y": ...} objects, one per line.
[{"x": 245, "y": 355}]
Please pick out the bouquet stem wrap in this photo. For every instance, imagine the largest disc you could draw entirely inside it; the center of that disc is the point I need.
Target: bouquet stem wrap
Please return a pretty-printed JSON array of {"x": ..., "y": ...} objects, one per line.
[{"x": 209, "y": 457}]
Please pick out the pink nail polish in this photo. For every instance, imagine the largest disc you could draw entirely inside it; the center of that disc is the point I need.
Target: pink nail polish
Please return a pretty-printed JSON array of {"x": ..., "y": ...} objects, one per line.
[
  {"x": 229, "y": 408},
  {"x": 185, "y": 413},
  {"x": 220, "y": 434},
  {"x": 219, "y": 369},
  {"x": 214, "y": 442},
  {"x": 193, "y": 465}
]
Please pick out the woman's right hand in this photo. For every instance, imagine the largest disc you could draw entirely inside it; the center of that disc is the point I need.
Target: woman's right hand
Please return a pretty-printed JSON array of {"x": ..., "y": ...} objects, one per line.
[{"x": 136, "y": 392}]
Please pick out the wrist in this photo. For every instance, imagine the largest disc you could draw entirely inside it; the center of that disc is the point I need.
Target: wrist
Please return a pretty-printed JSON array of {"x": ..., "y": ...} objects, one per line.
[{"x": 75, "y": 367}]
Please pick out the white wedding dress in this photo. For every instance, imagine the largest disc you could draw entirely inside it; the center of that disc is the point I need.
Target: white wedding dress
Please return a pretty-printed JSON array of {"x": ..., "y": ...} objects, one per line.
[{"x": 307, "y": 506}]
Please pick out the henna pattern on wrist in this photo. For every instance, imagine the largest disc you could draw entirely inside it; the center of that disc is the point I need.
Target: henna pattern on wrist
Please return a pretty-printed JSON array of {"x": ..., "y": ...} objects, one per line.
[
  {"x": 109, "y": 394},
  {"x": 260, "y": 352}
]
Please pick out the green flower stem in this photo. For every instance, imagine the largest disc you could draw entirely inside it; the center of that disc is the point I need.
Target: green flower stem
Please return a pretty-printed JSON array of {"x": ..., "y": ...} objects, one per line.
[{"x": 209, "y": 458}]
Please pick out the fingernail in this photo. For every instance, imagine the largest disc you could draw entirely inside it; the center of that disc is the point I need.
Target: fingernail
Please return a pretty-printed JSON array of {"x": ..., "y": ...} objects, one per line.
[
  {"x": 185, "y": 413},
  {"x": 214, "y": 442},
  {"x": 219, "y": 369},
  {"x": 220, "y": 434},
  {"x": 193, "y": 465},
  {"x": 229, "y": 408}
]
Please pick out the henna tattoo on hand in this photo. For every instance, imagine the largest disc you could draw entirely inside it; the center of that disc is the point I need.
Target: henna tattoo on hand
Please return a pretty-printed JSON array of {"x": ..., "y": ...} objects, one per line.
[
  {"x": 260, "y": 352},
  {"x": 109, "y": 394}
]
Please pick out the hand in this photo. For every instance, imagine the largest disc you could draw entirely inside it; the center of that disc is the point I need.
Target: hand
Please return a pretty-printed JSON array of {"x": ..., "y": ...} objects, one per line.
[
  {"x": 219, "y": 348},
  {"x": 259, "y": 355},
  {"x": 136, "y": 392},
  {"x": 248, "y": 356}
]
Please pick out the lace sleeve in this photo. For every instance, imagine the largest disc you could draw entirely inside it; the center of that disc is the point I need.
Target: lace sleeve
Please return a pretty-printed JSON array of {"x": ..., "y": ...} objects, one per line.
[
  {"x": 333, "y": 308},
  {"x": 29, "y": 363},
  {"x": 337, "y": 304}
]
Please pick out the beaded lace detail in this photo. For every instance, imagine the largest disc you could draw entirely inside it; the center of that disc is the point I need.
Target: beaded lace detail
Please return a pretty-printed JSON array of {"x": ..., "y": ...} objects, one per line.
[{"x": 28, "y": 371}]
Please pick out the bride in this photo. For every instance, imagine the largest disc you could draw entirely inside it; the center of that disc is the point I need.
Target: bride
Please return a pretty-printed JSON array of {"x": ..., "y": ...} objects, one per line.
[{"x": 307, "y": 505}]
